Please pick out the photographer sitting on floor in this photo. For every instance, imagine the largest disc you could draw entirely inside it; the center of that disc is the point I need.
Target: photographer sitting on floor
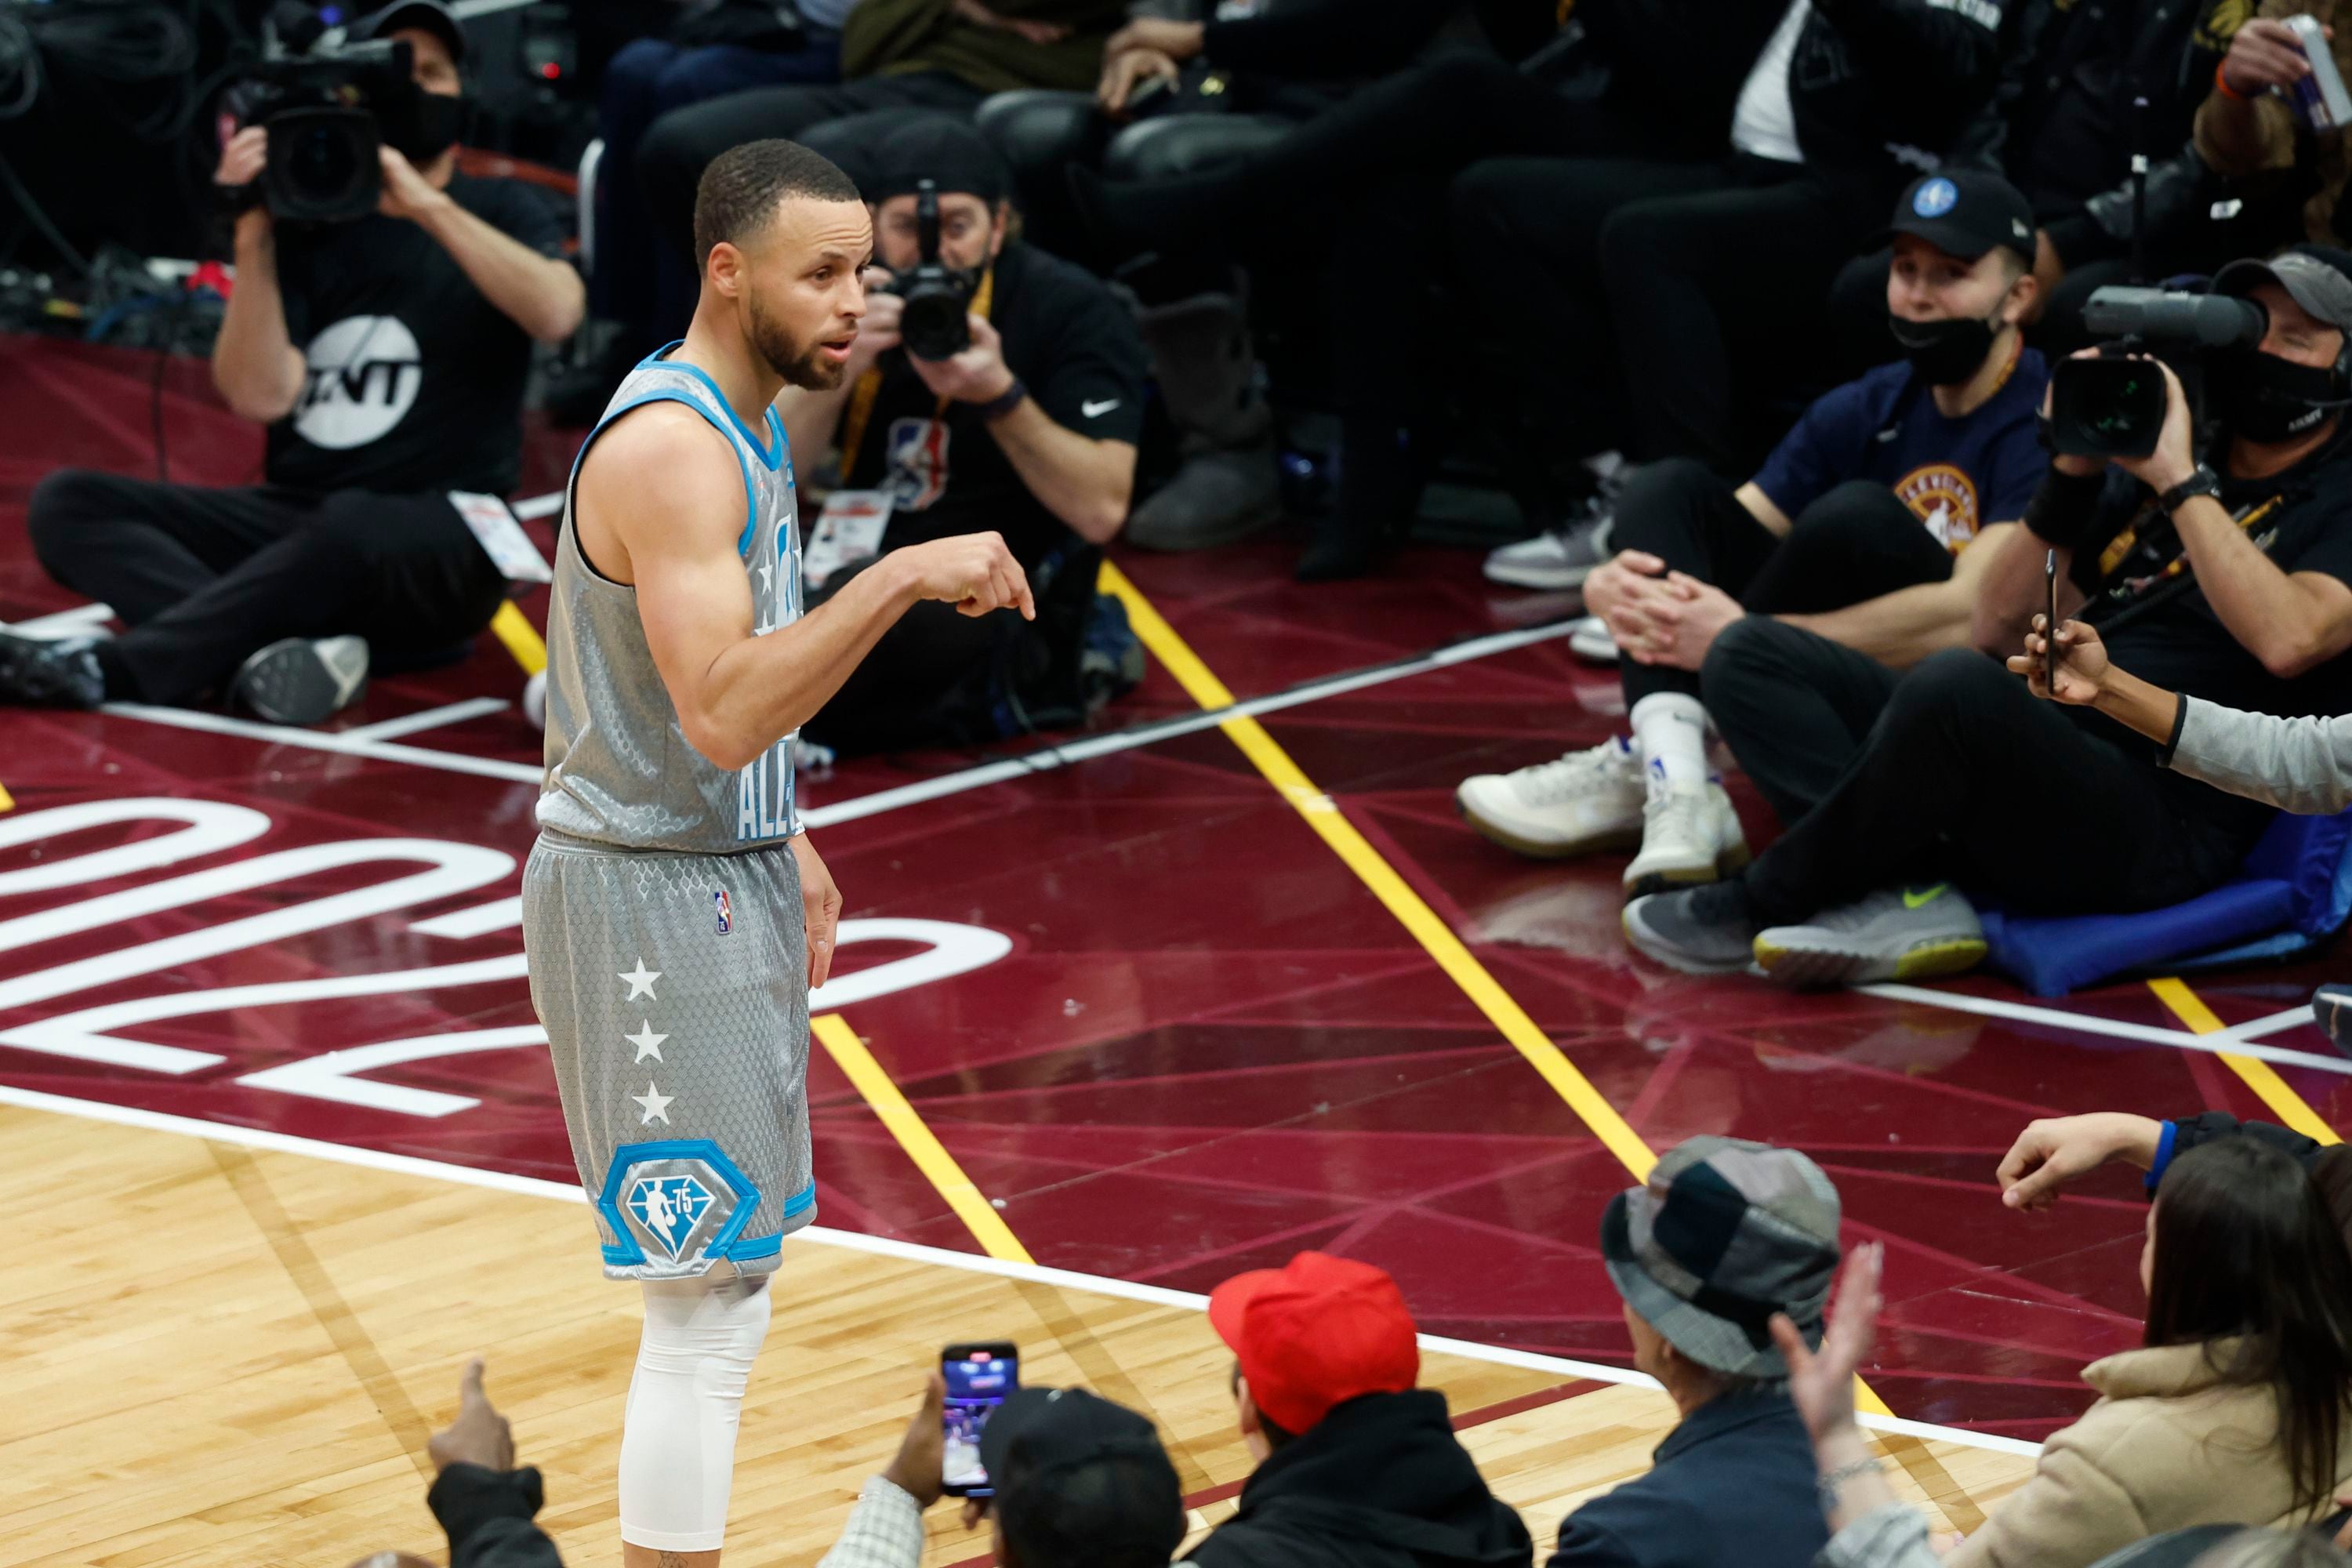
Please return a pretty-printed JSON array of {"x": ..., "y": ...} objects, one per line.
[
  {"x": 1024, "y": 421},
  {"x": 1870, "y": 525},
  {"x": 387, "y": 354},
  {"x": 2235, "y": 586}
]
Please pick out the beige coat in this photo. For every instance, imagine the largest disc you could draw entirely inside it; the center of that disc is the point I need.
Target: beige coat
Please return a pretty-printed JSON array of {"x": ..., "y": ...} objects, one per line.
[{"x": 2167, "y": 1446}]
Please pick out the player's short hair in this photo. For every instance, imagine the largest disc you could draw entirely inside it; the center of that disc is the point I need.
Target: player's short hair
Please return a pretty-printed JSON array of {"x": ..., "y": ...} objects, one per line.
[{"x": 742, "y": 189}]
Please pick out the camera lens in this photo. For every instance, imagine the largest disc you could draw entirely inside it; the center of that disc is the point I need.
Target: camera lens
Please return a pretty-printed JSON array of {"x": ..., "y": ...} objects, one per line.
[{"x": 322, "y": 163}]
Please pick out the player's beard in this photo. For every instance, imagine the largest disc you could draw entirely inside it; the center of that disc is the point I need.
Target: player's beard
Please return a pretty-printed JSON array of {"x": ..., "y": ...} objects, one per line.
[{"x": 801, "y": 364}]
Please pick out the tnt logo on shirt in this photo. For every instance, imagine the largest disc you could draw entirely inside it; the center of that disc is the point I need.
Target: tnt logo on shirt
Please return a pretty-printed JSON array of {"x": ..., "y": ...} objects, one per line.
[
  {"x": 1943, "y": 497},
  {"x": 360, "y": 379},
  {"x": 915, "y": 463}
]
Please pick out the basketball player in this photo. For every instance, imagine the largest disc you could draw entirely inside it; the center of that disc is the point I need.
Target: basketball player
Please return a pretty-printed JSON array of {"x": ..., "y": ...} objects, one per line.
[{"x": 675, "y": 916}]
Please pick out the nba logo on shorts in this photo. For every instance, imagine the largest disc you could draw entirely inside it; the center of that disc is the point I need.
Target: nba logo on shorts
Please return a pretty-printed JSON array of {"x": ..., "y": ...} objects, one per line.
[{"x": 726, "y": 911}]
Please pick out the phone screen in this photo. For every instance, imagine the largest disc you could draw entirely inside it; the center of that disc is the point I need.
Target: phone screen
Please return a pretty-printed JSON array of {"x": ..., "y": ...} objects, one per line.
[
  {"x": 979, "y": 1377},
  {"x": 2050, "y": 626}
]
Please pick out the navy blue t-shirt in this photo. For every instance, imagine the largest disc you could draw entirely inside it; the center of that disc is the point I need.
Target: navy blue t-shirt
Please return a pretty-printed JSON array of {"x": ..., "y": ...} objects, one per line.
[{"x": 1957, "y": 475}]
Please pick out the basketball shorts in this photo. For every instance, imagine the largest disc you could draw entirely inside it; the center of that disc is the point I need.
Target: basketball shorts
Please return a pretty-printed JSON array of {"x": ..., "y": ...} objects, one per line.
[{"x": 674, "y": 989}]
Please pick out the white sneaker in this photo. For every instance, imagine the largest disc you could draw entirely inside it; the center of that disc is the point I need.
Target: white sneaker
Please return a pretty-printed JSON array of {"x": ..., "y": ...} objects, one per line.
[
  {"x": 1561, "y": 558},
  {"x": 1688, "y": 835},
  {"x": 1586, "y": 801},
  {"x": 1590, "y": 639},
  {"x": 301, "y": 680}
]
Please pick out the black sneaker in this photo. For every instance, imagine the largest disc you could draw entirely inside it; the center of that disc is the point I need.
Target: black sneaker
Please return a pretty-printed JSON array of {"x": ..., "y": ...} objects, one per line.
[
  {"x": 1708, "y": 930},
  {"x": 301, "y": 680},
  {"x": 38, "y": 674}
]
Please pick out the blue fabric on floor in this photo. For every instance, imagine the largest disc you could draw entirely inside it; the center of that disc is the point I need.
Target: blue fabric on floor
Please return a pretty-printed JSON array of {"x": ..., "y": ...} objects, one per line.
[{"x": 2296, "y": 889}]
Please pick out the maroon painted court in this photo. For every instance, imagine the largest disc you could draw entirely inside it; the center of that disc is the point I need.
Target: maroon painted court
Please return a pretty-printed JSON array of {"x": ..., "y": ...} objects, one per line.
[{"x": 1152, "y": 1014}]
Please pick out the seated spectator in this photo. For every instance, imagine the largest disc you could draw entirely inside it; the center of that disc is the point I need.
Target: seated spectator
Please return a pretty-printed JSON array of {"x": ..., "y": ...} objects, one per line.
[
  {"x": 1357, "y": 1467},
  {"x": 945, "y": 55},
  {"x": 484, "y": 1503},
  {"x": 2248, "y": 128},
  {"x": 2234, "y": 1413},
  {"x": 708, "y": 52},
  {"x": 387, "y": 355},
  {"x": 1724, "y": 1235},
  {"x": 2063, "y": 126},
  {"x": 1859, "y": 527},
  {"x": 2232, "y": 585},
  {"x": 1079, "y": 1482},
  {"x": 1031, "y": 433}
]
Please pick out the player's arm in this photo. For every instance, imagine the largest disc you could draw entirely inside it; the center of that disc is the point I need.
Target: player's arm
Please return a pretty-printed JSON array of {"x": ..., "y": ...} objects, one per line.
[
  {"x": 660, "y": 506},
  {"x": 1903, "y": 627}
]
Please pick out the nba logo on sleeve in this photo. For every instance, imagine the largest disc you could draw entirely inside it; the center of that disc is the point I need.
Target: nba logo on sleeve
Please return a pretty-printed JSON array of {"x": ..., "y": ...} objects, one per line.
[{"x": 726, "y": 911}]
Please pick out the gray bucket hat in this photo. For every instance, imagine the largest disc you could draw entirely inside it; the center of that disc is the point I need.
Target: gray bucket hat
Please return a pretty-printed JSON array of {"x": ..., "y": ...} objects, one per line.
[{"x": 1725, "y": 1234}]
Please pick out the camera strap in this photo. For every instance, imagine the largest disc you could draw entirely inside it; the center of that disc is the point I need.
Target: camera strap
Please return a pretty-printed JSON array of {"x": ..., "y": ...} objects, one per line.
[
  {"x": 870, "y": 386},
  {"x": 2135, "y": 596}
]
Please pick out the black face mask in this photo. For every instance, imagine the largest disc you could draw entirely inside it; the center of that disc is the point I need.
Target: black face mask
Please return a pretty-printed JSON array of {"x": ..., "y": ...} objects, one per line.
[
  {"x": 1945, "y": 353},
  {"x": 2267, "y": 399},
  {"x": 426, "y": 125}
]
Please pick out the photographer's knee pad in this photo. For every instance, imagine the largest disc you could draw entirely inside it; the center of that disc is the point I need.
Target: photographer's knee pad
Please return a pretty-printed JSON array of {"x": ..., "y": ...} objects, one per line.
[{"x": 686, "y": 1402}]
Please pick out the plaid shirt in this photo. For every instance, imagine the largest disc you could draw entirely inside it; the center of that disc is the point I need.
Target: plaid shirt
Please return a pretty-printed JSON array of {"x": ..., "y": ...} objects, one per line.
[{"x": 884, "y": 1530}]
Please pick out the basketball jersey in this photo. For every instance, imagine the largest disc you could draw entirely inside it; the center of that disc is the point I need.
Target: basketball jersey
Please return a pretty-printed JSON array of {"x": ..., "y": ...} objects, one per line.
[{"x": 620, "y": 771}]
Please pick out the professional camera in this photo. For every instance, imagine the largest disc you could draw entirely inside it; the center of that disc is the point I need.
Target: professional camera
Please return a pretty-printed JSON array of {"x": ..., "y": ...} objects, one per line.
[
  {"x": 2113, "y": 406},
  {"x": 933, "y": 324},
  {"x": 327, "y": 109}
]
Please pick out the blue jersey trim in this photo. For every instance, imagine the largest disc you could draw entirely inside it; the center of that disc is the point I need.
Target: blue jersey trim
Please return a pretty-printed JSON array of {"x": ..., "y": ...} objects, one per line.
[{"x": 771, "y": 451}]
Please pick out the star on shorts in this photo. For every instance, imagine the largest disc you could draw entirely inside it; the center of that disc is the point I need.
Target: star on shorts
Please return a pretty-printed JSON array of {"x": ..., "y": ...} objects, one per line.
[
  {"x": 655, "y": 1102},
  {"x": 640, "y": 982}
]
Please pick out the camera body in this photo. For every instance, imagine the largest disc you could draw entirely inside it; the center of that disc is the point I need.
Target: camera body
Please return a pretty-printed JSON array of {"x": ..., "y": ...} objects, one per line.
[
  {"x": 2114, "y": 405},
  {"x": 324, "y": 109},
  {"x": 933, "y": 324}
]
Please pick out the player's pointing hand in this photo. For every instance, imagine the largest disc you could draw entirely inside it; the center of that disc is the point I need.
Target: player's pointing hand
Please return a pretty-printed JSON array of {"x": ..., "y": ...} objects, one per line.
[{"x": 974, "y": 571}]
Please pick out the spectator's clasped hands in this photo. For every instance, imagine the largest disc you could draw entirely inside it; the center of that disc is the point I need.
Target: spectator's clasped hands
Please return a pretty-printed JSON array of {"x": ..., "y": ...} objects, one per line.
[{"x": 1658, "y": 616}]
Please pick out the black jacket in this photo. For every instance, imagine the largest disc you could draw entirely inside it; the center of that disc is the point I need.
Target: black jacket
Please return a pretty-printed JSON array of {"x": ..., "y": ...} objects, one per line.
[
  {"x": 2086, "y": 62},
  {"x": 486, "y": 1514},
  {"x": 1379, "y": 1482},
  {"x": 1732, "y": 1487}
]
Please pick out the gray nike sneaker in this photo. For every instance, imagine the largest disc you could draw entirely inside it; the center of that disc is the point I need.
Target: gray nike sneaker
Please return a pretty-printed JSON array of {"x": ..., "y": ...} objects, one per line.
[
  {"x": 1705, "y": 929},
  {"x": 1901, "y": 933},
  {"x": 301, "y": 680},
  {"x": 39, "y": 674}
]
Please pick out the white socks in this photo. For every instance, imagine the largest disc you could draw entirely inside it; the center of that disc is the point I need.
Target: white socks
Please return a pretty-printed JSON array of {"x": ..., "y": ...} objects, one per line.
[
  {"x": 685, "y": 1401},
  {"x": 1670, "y": 733}
]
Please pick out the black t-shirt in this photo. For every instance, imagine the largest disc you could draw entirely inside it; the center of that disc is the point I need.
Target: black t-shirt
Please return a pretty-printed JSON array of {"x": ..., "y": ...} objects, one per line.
[
  {"x": 415, "y": 380},
  {"x": 2156, "y": 622},
  {"x": 1071, "y": 342}
]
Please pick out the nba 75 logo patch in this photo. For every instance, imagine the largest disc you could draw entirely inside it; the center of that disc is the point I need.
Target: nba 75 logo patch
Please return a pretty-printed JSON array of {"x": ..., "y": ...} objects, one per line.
[{"x": 726, "y": 911}]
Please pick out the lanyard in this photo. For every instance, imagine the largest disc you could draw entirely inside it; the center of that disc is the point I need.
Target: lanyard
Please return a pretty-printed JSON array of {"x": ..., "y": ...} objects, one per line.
[{"x": 869, "y": 387}]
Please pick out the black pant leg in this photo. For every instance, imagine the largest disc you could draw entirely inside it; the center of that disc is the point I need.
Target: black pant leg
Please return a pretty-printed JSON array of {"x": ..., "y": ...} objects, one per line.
[
  {"x": 143, "y": 547},
  {"x": 1967, "y": 777},
  {"x": 1697, "y": 282},
  {"x": 1794, "y": 708},
  {"x": 931, "y": 660},
  {"x": 1855, "y": 542},
  {"x": 402, "y": 571},
  {"x": 1684, "y": 514}
]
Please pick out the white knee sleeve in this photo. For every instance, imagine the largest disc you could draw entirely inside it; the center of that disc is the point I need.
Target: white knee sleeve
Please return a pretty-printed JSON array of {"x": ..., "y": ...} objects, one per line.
[{"x": 685, "y": 1401}]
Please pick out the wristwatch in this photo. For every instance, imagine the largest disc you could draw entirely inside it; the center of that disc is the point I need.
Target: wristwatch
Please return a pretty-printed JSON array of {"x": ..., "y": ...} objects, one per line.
[
  {"x": 1004, "y": 402},
  {"x": 2201, "y": 481}
]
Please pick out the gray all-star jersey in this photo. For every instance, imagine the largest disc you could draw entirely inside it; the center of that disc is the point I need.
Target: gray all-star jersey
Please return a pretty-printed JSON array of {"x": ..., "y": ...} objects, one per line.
[{"x": 619, "y": 769}]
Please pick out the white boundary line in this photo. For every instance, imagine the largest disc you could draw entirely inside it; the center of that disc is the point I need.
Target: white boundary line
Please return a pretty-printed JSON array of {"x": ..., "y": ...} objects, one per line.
[
  {"x": 428, "y": 719},
  {"x": 350, "y": 745},
  {"x": 2268, "y": 1026},
  {"x": 883, "y": 1247},
  {"x": 2230, "y": 1041}
]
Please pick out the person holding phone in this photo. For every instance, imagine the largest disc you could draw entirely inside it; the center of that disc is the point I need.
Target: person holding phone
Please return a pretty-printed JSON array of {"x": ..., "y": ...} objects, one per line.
[
  {"x": 2248, "y": 125},
  {"x": 1076, "y": 1482},
  {"x": 2223, "y": 569}
]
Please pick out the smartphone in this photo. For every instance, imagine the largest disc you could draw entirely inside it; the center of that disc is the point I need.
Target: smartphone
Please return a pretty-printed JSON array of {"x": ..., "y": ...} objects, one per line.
[
  {"x": 980, "y": 1375},
  {"x": 2050, "y": 626},
  {"x": 2320, "y": 96}
]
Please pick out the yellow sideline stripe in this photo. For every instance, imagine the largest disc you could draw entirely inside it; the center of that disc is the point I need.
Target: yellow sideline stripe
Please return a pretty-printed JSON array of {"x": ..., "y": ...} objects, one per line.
[
  {"x": 7, "y": 801},
  {"x": 2289, "y": 1107},
  {"x": 931, "y": 1157},
  {"x": 514, "y": 629},
  {"x": 1323, "y": 815}
]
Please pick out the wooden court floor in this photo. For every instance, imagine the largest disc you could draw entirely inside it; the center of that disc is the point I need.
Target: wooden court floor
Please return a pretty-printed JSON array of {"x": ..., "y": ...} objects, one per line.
[{"x": 218, "y": 1354}]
